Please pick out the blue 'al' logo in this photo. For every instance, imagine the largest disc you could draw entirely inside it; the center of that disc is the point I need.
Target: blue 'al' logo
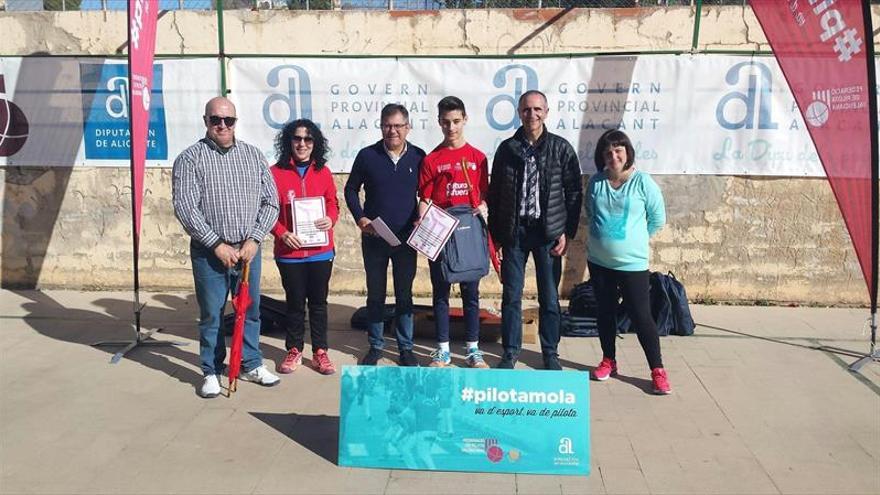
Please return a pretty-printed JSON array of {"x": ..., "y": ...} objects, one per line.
[
  {"x": 295, "y": 99},
  {"x": 516, "y": 79},
  {"x": 105, "y": 107},
  {"x": 757, "y": 97}
]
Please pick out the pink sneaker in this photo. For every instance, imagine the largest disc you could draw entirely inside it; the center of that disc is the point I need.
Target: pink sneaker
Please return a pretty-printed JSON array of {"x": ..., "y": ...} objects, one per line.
[
  {"x": 661, "y": 381},
  {"x": 606, "y": 368},
  {"x": 321, "y": 362},
  {"x": 291, "y": 362}
]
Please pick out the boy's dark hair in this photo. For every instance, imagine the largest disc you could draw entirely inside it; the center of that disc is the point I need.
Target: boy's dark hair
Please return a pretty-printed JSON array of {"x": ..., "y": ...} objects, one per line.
[{"x": 449, "y": 104}]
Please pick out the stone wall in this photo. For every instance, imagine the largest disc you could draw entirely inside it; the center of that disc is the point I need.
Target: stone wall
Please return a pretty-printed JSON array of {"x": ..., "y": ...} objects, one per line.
[
  {"x": 729, "y": 238},
  {"x": 447, "y": 32}
]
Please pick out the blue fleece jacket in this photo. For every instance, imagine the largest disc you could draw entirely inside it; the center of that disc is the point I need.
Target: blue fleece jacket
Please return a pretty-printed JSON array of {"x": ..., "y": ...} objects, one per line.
[
  {"x": 390, "y": 189},
  {"x": 622, "y": 220}
]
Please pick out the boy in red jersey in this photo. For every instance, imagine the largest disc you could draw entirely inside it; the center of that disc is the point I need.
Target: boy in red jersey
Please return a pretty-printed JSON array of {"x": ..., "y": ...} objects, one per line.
[{"x": 454, "y": 174}]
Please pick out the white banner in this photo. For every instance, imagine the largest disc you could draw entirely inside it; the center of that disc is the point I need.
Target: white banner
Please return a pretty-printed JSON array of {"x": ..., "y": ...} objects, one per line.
[
  {"x": 74, "y": 111},
  {"x": 686, "y": 114}
]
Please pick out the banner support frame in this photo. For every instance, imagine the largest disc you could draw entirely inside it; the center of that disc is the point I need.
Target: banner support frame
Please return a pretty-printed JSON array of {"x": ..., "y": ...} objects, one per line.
[
  {"x": 874, "y": 354},
  {"x": 140, "y": 338}
]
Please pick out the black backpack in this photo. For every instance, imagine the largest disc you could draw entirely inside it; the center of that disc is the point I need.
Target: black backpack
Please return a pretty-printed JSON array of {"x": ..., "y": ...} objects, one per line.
[
  {"x": 465, "y": 256},
  {"x": 669, "y": 307},
  {"x": 578, "y": 326},
  {"x": 661, "y": 305},
  {"x": 273, "y": 317},
  {"x": 580, "y": 319},
  {"x": 682, "y": 323},
  {"x": 360, "y": 319},
  {"x": 582, "y": 300}
]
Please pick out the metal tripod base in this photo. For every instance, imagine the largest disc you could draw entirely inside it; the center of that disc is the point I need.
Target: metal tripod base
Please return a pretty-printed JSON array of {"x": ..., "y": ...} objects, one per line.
[
  {"x": 874, "y": 356},
  {"x": 144, "y": 339}
]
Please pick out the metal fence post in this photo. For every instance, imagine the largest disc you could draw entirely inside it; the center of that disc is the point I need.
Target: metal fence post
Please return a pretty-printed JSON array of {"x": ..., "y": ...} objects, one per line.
[
  {"x": 221, "y": 55},
  {"x": 697, "y": 16}
]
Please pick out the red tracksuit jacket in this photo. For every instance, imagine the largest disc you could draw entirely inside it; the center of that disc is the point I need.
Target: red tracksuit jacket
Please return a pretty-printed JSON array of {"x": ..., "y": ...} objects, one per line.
[{"x": 314, "y": 183}]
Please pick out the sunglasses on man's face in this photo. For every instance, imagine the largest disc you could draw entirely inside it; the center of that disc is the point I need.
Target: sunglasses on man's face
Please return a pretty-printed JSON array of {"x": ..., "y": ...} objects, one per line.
[
  {"x": 216, "y": 119},
  {"x": 303, "y": 139}
]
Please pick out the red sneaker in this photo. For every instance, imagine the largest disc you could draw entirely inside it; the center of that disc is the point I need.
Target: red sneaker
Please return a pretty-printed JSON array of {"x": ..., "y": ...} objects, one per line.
[
  {"x": 291, "y": 362},
  {"x": 661, "y": 381},
  {"x": 321, "y": 362},
  {"x": 606, "y": 368}
]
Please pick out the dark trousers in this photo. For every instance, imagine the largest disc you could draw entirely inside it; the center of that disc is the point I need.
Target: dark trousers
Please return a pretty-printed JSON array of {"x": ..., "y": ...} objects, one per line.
[
  {"x": 306, "y": 282},
  {"x": 470, "y": 300},
  {"x": 635, "y": 288},
  {"x": 377, "y": 253},
  {"x": 529, "y": 240}
]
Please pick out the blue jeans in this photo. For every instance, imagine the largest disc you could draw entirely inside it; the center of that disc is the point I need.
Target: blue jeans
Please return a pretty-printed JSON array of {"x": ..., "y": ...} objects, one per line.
[
  {"x": 529, "y": 240},
  {"x": 213, "y": 282},
  {"x": 376, "y": 254},
  {"x": 470, "y": 300}
]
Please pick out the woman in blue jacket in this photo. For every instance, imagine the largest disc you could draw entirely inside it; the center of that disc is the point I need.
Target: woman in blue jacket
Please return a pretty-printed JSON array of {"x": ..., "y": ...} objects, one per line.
[{"x": 624, "y": 209}]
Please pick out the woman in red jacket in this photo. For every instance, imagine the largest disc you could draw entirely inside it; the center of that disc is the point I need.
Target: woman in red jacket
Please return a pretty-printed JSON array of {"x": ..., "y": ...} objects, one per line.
[{"x": 304, "y": 252}]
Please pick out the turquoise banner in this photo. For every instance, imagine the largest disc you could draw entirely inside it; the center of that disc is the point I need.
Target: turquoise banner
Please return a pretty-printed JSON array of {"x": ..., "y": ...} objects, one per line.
[{"x": 459, "y": 419}]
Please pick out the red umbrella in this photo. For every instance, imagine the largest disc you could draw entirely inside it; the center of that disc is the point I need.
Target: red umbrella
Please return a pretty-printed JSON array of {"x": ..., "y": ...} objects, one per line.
[
  {"x": 493, "y": 253},
  {"x": 241, "y": 301}
]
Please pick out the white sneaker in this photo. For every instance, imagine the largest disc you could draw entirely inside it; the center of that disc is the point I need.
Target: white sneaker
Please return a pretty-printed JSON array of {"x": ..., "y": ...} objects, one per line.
[
  {"x": 210, "y": 387},
  {"x": 261, "y": 376}
]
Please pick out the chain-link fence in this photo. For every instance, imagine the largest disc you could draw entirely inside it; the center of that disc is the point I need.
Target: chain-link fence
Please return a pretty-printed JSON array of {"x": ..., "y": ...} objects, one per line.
[
  {"x": 36, "y": 5},
  {"x": 54, "y": 5}
]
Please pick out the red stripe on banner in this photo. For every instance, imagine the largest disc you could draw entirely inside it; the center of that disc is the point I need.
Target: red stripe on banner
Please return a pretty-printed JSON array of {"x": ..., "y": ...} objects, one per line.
[
  {"x": 823, "y": 48},
  {"x": 142, "y": 18}
]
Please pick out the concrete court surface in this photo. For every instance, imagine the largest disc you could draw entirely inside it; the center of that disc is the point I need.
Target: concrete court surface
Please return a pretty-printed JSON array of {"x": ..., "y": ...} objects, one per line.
[{"x": 762, "y": 403}]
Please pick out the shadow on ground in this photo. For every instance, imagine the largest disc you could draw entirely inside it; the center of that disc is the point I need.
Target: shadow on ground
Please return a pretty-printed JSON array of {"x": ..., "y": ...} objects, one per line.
[
  {"x": 175, "y": 315},
  {"x": 317, "y": 433},
  {"x": 81, "y": 326}
]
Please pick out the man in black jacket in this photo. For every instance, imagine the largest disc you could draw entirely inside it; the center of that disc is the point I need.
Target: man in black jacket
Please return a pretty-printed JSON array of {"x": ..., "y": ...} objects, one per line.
[{"x": 534, "y": 206}]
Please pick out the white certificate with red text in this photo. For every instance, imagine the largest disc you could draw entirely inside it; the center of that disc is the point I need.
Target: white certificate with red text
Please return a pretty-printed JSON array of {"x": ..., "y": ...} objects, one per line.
[
  {"x": 433, "y": 232},
  {"x": 304, "y": 212}
]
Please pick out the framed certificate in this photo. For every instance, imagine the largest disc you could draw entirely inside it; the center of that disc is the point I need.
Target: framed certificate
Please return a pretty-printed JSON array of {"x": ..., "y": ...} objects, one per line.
[
  {"x": 433, "y": 232},
  {"x": 304, "y": 212}
]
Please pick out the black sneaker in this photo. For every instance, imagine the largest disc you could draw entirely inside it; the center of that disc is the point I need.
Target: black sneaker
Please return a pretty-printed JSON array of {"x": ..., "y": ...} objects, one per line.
[
  {"x": 408, "y": 358},
  {"x": 507, "y": 363},
  {"x": 372, "y": 357},
  {"x": 552, "y": 363}
]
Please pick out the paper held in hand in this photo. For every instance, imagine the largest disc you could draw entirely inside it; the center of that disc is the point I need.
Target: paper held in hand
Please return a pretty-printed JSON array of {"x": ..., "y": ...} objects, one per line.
[
  {"x": 433, "y": 232},
  {"x": 383, "y": 231},
  {"x": 304, "y": 212}
]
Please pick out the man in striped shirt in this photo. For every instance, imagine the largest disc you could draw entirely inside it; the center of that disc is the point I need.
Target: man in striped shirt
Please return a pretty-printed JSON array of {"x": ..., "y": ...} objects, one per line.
[{"x": 225, "y": 199}]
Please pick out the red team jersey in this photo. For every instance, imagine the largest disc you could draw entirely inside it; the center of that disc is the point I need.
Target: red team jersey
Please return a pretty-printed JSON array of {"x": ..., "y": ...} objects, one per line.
[{"x": 442, "y": 179}]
